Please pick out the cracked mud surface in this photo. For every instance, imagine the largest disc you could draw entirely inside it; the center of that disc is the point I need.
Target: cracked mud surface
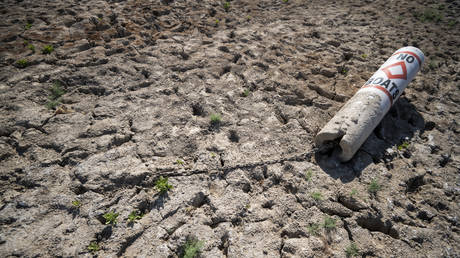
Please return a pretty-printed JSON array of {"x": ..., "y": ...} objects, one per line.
[{"x": 141, "y": 79}]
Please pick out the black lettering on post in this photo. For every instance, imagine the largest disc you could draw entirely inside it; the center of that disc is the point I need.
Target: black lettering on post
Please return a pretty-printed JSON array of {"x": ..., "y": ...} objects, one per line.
[
  {"x": 378, "y": 80},
  {"x": 401, "y": 57},
  {"x": 369, "y": 81},
  {"x": 393, "y": 85},
  {"x": 386, "y": 83},
  {"x": 395, "y": 94},
  {"x": 410, "y": 59}
]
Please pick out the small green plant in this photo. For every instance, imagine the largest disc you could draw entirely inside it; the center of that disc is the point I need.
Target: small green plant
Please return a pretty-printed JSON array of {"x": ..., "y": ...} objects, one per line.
[
  {"x": 134, "y": 215},
  {"x": 217, "y": 22},
  {"x": 285, "y": 1},
  {"x": 353, "y": 192},
  {"x": 162, "y": 185},
  {"x": 451, "y": 23},
  {"x": 403, "y": 145},
  {"x": 429, "y": 15},
  {"x": 22, "y": 63},
  {"x": 313, "y": 229},
  {"x": 317, "y": 196},
  {"x": 76, "y": 204},
  {"x": 111, "y": 218},
  {"x": 344, "y": 71},
  {"x": 245, "y": 93},
  {"x": 308, "y": 175},
  {"x": 329, "y": 223},
  {"x": 213, "y": 155},
  {"x": 192, "y": 248},
  {"x": 364, "y": 55},
  {"x": 48, "y": 49},
  {"x": 226, "y": 6},
  {"x": 56, "y": 93},
  {"x": 433, "y": 65},
  {"x": 31, "y": 47},
  {"x": 28, "y": 26},
  {"x": 215, "y": 119},
  {"x": 374, "y": 187},
  {"x": 352, "y": 250},
  {"x": 180, "y": 162},
  {"x": 94, "y": 247}
]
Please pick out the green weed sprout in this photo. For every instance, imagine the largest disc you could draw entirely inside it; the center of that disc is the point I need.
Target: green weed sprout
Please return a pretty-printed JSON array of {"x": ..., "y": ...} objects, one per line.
[
  {"x": 245, "y": 93},
  {"x": 317, "y": 196},
  {"x": 352, "y": 250},
  {"x": 309, "y": 175},
  {"x": 56, "y": 93},
  {"x": 374, "y": 187},
  {"x": 192, "y": 248},
  {"x": 285, "y": 1},
  {"x": 353, "y": 192},
  {"x": 22, "y": 63},
  {"x": 329, "y": 223},
  {"x": 28, "y": 26},
  {"x": 48, "y": 49},
  {"x": 403, "y": 145},
  {"x": 180, "y": 162},
  {"x": 313, "y": 229},
  {"x": 162, "y": 185},
  {"x": 226, "y": 6},
  {"x": 134, "y": 215},
  {"x": 76, "y": 204},
  {"x": 364, "y": 55},
  {"x": 94, "y": 247},
  {"x": 215, "y": 119},
  {"x": 31, "y": 47},
  {"x": 110, "y": 218}
]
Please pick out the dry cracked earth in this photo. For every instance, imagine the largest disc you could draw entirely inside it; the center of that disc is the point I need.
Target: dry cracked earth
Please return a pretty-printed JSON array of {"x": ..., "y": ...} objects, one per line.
[{"x": 140, "y": 80}]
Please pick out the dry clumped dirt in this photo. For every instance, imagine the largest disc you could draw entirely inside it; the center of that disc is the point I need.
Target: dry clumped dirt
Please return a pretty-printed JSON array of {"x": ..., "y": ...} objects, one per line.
[{"x": 141, "y": 79}]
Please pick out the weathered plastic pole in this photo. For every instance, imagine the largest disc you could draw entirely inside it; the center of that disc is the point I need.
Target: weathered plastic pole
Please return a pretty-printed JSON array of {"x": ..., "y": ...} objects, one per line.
[{"x": 356, "y": 120}]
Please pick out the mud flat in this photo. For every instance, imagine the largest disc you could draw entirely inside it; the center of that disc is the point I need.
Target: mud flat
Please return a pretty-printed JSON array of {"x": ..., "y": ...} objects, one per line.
[{"x": 99, "y": 99}]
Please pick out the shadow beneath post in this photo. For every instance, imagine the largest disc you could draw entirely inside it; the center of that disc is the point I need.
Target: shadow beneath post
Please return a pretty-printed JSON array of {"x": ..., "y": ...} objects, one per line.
[{"x": 401, "y": 124}]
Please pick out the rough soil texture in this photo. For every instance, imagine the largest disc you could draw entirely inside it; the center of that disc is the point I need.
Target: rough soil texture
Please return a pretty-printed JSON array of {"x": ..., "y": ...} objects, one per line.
[{"x": 141, "y": 79}]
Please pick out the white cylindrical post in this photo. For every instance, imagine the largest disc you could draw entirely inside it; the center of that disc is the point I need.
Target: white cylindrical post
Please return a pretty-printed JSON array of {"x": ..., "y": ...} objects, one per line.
[{"x": 356, "y": 120}]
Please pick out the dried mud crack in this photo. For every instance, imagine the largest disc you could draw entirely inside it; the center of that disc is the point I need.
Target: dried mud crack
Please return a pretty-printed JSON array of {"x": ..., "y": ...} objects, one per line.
[{"x": 101, "y": 100}]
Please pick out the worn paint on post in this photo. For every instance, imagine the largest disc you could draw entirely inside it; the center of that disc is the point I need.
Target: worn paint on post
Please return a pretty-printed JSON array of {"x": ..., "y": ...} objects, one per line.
[{"x": 356, "y": 120}]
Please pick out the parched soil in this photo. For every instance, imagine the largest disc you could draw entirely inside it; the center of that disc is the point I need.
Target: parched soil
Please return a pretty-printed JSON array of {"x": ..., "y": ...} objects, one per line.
[{"x": 140, "y": 81}]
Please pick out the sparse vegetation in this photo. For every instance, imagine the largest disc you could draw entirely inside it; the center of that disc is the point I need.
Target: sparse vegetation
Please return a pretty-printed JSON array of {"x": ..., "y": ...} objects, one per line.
[
  {"x": 344, "y": 71},
  {"x": 162, "y": 185},
  {"x": 111, "y": 218},
  {"x": 192, "y": 248},
  {"x": 329, "y": 223},
  {"x": 134, "y": 215},
  {"x": 374, "y": 187},
  {"x": 245, "y": 93},
  {"x": 22, "y": 63},
  {"x": 313, "y": 229},
  {"x": 352, "y": 250},
  {"x": 28, "y": 26},
  {"x": 317, "y": 196},
  {"x": 226, "y": 6},
  {"x": 56, "y": 93},
  {"x": 180, "y": 162},
  {"x": 451, "y": 23},
  {"x": 94, "y": 247},
  {"x": 215, "y": 119},
  {"x": 31, "y": 47},
  {"x": 403, "y": 145},
  {"x": 76, "y": 204},
  {"x": 48, "y": 49},
  {"x": 285, "y": 1},
  {"x": 364, "y": 56},
  {"x": 308, "y": 175},
  {"x": 353, "y": 192},
  {"x": 429, "y": 15}
]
